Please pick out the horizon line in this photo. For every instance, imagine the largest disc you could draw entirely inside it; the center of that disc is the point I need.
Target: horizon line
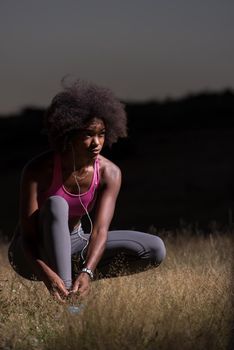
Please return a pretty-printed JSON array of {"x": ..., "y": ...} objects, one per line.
[{"x": 150, "y": 100}]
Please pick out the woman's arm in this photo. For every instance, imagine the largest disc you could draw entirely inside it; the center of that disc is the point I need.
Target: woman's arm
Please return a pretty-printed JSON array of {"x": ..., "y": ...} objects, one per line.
[
  {"x": 29, "y": 231},
  {"x": 105, "y": 207},
  {"x": 103, "y": 216}
]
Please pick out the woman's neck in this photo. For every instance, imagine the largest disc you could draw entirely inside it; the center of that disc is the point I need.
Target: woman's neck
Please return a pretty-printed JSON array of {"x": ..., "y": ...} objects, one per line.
[{"x": 72, "y": 160}]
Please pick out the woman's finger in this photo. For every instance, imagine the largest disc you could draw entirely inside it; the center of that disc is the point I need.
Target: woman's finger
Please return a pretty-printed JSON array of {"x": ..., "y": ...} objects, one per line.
[
  {"x": 75, "y": 287},
  {"x": 58, "y": 290},
  {"x": 57, "y": 296},
  {"x": 63, "y": 290},
  {"x": 83, "y": 288}
]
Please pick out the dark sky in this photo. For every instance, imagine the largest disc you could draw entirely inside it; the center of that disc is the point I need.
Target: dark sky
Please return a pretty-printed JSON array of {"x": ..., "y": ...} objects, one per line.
[{"x": 140, "y": 49}]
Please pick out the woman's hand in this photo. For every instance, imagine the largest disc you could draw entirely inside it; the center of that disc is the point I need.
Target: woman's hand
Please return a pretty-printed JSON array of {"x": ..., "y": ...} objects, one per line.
[
  {"x": 82, "y": 284},
  {"x": 56, "y": 286}
]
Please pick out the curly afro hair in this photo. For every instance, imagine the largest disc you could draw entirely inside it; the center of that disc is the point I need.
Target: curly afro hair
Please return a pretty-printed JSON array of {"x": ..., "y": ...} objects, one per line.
[{"x": 72, "y": 108}]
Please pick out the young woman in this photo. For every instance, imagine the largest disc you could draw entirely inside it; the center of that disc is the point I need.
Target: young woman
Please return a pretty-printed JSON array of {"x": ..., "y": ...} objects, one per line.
[{"x": 62, "y": 185}]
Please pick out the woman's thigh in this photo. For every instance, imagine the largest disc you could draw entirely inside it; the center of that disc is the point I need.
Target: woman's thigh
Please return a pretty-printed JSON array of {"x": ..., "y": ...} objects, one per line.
[
  {"x": 135, "y": 243},
  {"x": 132, "y": 248}
]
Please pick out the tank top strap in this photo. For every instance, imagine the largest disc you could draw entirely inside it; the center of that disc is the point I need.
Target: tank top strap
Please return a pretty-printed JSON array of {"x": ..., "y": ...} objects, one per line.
[{"x": 97, "y": 172}]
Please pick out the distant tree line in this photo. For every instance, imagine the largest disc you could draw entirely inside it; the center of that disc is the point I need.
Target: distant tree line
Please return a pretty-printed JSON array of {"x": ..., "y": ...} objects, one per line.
[{"x": 206, "y": 110}]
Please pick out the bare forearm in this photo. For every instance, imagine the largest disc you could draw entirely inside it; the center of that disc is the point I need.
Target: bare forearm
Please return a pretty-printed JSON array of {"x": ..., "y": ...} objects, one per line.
[
  {"x": 96, "y": 248},
  {"x": 40, "y": 268},
  {"x": 43, "y": 272}
]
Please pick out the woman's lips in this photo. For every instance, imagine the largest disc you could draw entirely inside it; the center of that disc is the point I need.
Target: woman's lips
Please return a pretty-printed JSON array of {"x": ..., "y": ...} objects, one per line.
[{"x": 95, "y": 150}]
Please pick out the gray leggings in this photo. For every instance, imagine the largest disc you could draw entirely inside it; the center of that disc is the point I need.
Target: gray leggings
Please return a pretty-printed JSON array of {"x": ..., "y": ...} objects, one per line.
[{"x": 131, "y": 251}]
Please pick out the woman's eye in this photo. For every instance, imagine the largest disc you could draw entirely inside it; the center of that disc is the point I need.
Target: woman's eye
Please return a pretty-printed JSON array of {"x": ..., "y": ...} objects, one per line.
[{"x": 88, "y": 134}]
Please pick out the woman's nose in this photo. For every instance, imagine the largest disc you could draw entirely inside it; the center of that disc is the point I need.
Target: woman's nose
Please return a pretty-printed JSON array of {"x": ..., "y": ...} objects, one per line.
[{"x": 95, "y": 140}]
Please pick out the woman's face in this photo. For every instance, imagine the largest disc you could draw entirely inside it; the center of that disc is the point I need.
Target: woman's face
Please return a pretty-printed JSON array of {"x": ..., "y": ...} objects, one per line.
[{"x": 89, "y": 141}]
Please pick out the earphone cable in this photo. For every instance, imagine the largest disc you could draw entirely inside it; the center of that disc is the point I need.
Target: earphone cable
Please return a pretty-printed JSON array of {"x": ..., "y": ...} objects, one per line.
[{"x": 85, "y": 209}]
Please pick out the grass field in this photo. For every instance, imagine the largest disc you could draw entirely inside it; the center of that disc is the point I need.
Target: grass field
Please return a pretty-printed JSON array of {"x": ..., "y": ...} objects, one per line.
[{"x": 186, "y": 303}]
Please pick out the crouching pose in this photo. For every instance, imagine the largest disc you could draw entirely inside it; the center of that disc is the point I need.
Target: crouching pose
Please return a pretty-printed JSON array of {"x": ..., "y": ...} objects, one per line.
[{"x": 62, "y": 185}]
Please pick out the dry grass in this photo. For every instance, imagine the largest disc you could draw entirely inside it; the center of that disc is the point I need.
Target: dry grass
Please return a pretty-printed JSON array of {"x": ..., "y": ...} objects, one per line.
[{"x": 186, "y": 303}]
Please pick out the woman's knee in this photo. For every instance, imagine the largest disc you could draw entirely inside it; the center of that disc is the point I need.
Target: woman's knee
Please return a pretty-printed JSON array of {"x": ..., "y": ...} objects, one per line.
[
  {"x": 157, "y": 251},
  {"x": 55, "y": 205}
]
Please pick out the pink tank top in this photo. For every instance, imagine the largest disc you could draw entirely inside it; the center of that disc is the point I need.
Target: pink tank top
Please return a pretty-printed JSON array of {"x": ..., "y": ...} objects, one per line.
[{"x": 73, "y": 200}]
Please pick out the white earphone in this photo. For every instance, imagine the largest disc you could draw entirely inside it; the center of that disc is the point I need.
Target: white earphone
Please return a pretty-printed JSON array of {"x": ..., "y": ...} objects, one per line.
[{"x": 86, "y": 211}]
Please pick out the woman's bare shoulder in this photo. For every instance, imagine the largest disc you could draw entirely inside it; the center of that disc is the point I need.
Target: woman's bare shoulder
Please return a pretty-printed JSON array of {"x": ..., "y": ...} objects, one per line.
[{"x": 108, "y": 169}]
